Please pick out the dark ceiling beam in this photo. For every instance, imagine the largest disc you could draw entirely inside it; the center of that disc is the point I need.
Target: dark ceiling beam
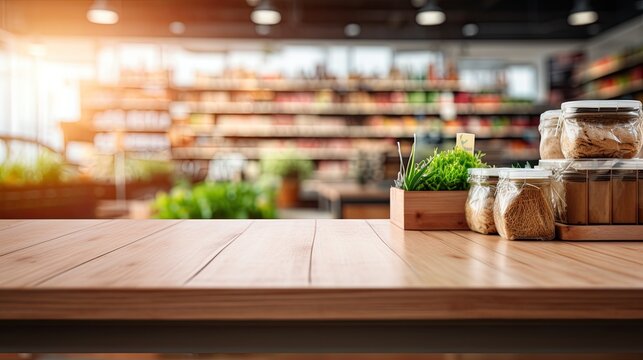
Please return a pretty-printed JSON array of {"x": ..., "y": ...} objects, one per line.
[{"x": 380, "y": 19}]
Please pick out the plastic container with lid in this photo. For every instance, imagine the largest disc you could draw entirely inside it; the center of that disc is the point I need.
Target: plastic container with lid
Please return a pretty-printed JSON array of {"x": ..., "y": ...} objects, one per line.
[
  {"x": 601, "y": 129},
  {"x": 479, "y": 205},
  {"x": 598, "y": 191},
  {"x": 549, "y": 129},
  {"x": 523, "y": 208}
]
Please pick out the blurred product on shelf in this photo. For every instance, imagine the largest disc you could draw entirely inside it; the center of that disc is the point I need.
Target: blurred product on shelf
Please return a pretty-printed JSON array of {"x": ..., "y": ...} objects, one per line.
[{"x": 613, "y": 76}]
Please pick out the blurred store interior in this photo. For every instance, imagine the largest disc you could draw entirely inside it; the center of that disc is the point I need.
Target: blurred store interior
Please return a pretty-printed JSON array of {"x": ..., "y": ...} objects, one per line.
[{"x": 282, "y": 108}]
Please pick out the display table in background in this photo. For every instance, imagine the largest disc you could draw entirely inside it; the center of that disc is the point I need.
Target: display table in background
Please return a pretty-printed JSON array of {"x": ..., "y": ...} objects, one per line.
[
  {"x": 307, "y": 286},
  {"x": 354, "y": 201}
]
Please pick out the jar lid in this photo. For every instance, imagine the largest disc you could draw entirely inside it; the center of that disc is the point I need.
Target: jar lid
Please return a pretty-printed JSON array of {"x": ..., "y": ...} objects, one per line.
[
  {"x": 601, "y": 106},
  {"x": 525, "y": 174},
  {"x": 492, "y": 171},
  {"x": 550, "y": 115}
]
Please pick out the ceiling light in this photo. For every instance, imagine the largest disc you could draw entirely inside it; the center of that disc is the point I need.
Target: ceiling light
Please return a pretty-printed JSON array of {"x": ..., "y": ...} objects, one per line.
[
  {"x": 352, "y": 30},
  {"x": 470, "y": 30},
  {"x": 582, "y": 14},
  {"x": 265, "y": 14},
  {"x": 101, "y": 13},
  {"x": 430, "y": 14},
  {"x": 177, "y": 27}
]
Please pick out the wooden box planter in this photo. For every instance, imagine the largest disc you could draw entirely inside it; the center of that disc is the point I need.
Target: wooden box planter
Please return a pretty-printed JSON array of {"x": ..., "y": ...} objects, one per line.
[{"x": 428, "y": 210}]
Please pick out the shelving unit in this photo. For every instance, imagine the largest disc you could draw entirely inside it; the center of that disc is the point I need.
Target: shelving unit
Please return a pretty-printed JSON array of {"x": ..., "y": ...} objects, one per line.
[
  {"x": 614, "y": 76},
  {"x": 330, "y": 121}
]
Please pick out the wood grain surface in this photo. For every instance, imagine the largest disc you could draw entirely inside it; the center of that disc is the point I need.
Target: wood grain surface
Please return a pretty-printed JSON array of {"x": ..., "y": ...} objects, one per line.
[{"x": 305, "y": 270}]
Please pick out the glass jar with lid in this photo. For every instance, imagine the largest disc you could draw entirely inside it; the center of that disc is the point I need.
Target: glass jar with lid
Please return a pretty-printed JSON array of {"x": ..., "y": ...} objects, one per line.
[
  {"x": 549, "y": 129},
  {"x": 601, "y": 129},
  {"x": 482, "y": 194},
  {"x": 523, "y": 208}
]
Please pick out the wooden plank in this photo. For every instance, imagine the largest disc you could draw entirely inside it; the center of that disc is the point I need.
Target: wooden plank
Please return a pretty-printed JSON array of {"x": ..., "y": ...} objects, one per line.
[
  {"x": 166, "y": 258},
  {"x": 29, "y": 233},
  {"x": 320, "y": 304},
  {"x": 275, "y": 253},
  {"x": 37, "y": 263},
  {"x": 599, "y": 232},
  {"x": 348, "y": 253},
  {"x": 566, "y": 259},
  {"x": 626, "y": 251},
  {"x": 443, "y": 258},
  {"x": 4, "y": 224}
]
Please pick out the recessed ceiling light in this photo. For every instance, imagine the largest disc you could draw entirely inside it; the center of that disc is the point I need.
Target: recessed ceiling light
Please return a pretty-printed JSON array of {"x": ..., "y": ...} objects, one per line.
[
  {"x": 177, "y": 27},
  {"x": 582, "y": 14},
  {"x": 470, "y": 30},
  {"x": 265, "y": 14},
  {"x": 352, "y": 30},
  {"x": 102, "y": 13},
  {"x": 430, "y": 14}
]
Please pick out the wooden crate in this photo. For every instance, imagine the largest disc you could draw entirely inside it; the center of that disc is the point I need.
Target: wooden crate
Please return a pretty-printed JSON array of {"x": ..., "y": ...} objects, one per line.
[
  {"x": 428, "y": 210},
  {"x": 599, "y": 232}
]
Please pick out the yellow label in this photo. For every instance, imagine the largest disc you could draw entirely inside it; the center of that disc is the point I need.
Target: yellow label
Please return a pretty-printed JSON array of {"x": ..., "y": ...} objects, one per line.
[{"x": 465, "y": 141}]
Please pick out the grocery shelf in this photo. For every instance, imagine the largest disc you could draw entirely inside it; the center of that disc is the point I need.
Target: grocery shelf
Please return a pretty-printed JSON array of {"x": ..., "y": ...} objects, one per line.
[
  {"x": 208, "y": 153},
  {"x": 615, "y": 66},
  {"x": 132, "y": 130},
  {"x": 350, "y": 109},
  {"x": 280, "y": 131},
  {"x": 615, "y": 91},
  {"x": 127, "y": 105},
  {"x": 292, "y": 85},
  {"x": 359, "y": 117}
]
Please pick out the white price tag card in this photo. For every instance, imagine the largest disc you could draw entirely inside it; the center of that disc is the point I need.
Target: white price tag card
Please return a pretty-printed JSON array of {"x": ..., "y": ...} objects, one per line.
[{"x": 465, "y": 141}]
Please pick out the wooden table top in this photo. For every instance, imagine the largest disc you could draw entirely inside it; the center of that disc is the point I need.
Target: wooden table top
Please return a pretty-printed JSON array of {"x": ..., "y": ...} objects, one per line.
[{"x": 305, "y": 270}]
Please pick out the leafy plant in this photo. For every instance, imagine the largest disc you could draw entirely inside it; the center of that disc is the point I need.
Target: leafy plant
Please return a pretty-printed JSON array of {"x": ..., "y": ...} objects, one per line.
[
  {"x": 287, "y": 164},
  {"x": 448, "y": 170},
  {"x": 445, "y": 170},
  {"x": 48, "y": 168},
  {"x": 217, "y": 201},
  {"x": 412, "y": 176}
]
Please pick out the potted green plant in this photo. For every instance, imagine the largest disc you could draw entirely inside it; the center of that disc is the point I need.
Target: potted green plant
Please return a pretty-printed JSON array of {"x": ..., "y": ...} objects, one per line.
[
  {"x": 291, "y": 168},
  {"x": 216, "y": 200},
  {"x": 431, "y": 194}
]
